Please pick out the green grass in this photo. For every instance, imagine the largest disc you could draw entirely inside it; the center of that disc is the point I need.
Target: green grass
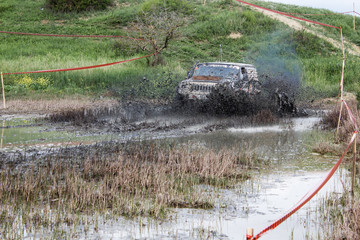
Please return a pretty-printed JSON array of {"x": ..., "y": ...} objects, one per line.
[
  {"x": 263, "y": 42},
  {"x": 344, "y": 21}
]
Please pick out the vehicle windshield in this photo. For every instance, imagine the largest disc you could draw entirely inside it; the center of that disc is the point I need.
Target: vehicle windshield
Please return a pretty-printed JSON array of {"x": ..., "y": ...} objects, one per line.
[{"x": 216, "y": 71}]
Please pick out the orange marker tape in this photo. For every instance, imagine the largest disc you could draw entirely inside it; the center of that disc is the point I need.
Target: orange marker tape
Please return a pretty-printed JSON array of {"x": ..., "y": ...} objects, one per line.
[
  {"x": 72, "y": 36},
  {"x": 288, "y": 15},
  {"x": 80, "y": 68},
  {"x": 308, "y": 196}
]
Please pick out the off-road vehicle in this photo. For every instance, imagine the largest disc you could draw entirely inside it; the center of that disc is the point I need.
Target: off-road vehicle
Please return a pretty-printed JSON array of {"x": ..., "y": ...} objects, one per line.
[
  {"x": 204, "y": 78},
  {"x": 227, "y": 87}
]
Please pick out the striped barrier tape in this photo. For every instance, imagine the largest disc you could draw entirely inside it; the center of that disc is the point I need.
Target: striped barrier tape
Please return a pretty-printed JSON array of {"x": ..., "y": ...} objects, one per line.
[
  {"x": 353, "y": 119},
  {"x": 288, "y": 15},
  {"x": 310, "y": 195},
  {"x": 357, "y": 13},
  {"x": 71, "y": 36},
  {"x": 307, "y": 197},
  {"x": 325, "y": 14},
  {"x": 79, "y": 68}
]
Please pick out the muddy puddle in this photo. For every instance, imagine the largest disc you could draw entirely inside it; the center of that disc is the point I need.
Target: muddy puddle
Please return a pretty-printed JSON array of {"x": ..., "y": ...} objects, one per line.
[
  {"x": 258, "y": 202},
  {"x": 257, "y": 205}
]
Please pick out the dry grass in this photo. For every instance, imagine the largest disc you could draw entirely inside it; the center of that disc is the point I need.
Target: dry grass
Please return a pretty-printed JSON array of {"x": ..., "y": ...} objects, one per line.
[
  {"x": 343, "y": 215},
  {"x": 328, "y": 148},
  {"x": 346, "y": 125},
  {"x": 351, "y": 219},
  {"x": 133, "y": 180},
  {"x": 50, "y": 106},
  {"x": 83, "y": 115}
]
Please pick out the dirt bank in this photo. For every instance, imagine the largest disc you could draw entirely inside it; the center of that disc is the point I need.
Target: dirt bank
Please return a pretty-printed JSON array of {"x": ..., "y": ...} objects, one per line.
[{"x": 51, "y": 106}]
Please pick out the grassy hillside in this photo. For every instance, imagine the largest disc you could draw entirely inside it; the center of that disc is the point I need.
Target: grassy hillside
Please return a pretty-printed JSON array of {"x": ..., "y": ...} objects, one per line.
[{"x": 245, "y": 36}]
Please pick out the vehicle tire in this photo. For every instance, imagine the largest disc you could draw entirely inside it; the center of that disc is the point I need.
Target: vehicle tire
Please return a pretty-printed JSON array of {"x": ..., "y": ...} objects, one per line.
[{"x": 179, "y": 102}]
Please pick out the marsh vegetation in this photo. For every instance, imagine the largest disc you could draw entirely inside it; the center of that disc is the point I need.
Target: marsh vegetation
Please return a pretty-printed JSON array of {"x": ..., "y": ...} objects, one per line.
[{"x": 134, "y": 179}]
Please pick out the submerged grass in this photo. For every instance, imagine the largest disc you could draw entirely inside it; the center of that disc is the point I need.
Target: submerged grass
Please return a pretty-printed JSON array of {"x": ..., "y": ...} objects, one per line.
[
  {"x": 130, "y": 180},
  {"x": 341, "y": 213}
]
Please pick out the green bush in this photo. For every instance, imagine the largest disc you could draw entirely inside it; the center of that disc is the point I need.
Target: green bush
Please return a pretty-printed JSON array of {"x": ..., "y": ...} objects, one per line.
[
  {"x": 77, "y": 5},
  {"x": 180, "y": 6},
  {"x": 5, "y": 7}
]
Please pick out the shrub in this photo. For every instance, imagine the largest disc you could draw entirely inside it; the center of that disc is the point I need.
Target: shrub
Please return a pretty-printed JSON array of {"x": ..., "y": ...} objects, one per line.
[
  {"x": 179, "y": 6},
  {"x": 159, "y": 29},
  {"x": 77, "y": 5}
]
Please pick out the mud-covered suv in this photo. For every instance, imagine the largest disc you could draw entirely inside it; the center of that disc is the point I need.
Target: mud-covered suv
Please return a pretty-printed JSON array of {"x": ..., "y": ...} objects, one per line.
[{"x": 204, "y": 78}]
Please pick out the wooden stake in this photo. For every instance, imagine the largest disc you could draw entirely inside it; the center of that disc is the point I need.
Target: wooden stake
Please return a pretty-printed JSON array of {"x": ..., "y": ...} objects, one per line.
[
  {"x": 249, "y": 233},
  {"x": 338, "y": 126},
  {"x": 3, "y": 90},
  {"x": 341, "y": 82},
  {"x": 2, "y": 134},
  {"x": 354, "y": 16},
  {"x": 354, "y": 170}
]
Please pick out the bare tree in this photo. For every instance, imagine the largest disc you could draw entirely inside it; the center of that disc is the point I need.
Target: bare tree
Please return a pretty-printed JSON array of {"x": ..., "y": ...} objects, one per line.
[{"x": 158, "y": 29}]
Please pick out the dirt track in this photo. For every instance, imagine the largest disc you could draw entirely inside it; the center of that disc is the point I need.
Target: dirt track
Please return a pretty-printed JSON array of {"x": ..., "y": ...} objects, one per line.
[{"x": 296, "y": 24}]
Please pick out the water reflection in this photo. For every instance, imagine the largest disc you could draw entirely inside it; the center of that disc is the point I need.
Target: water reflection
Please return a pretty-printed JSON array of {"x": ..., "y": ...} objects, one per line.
[{"x": 277, "y": 143}]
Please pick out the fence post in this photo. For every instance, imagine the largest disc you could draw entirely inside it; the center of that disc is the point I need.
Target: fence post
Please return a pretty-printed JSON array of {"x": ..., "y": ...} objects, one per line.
[
  {"x": 2, "y": 134},
  {"x": 353, "y": 170},
  {"x": 249, "y": 233},
  {"x": 3, "y": 90},
  {"x": 341, "y": 82},
  {"x": 354, "y": 15}
]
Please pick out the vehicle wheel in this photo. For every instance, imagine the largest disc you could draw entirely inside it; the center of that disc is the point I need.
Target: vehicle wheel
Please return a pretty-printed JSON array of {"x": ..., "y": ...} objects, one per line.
[{"x": 179, "y": 101}]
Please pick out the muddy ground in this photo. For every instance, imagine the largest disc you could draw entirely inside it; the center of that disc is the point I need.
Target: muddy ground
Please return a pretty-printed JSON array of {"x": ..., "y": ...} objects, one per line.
[
  {"x": 94, "y": 123},
  {"x": 121, "y": 121},
  {"x": 99, "y": 129}
]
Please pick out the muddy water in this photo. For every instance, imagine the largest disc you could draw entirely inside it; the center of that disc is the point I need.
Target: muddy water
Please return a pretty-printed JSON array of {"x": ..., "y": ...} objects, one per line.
[
  {"x": 257, "y": 203},
  {"x": 23, "y": 132}
]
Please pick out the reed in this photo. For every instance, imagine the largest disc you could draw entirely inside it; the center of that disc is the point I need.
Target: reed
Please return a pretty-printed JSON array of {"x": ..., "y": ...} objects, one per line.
[
  {"x": 347, "y": 127},
  {"x": 341, "y": 213},
  {"x": 145, "y": 179}
]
